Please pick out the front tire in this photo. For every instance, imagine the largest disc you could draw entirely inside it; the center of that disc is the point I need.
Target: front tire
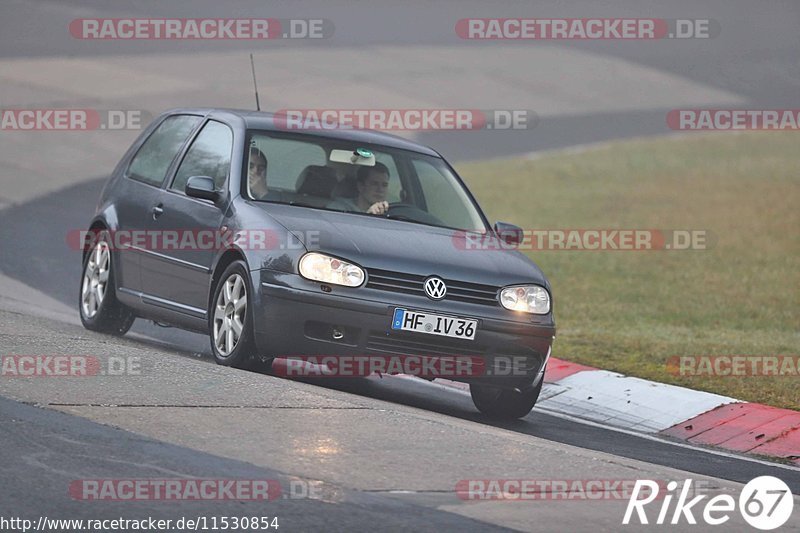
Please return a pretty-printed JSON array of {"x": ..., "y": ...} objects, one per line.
[
  {"x": 98, "y": 305},
  {"x": 230, "y": 321},
  {"x": 504, "y": 404}
]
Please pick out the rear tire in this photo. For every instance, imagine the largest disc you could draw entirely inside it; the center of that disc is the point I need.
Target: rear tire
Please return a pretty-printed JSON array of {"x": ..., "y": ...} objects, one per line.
[
  {"x": 504, "y": 404},
  {"x": 98, "y": 305},
  {"x": 230, "y": 318}
]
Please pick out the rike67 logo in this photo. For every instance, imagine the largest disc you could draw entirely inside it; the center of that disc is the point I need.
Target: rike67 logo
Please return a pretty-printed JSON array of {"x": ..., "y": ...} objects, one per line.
[{"x": 765, "y": 503}]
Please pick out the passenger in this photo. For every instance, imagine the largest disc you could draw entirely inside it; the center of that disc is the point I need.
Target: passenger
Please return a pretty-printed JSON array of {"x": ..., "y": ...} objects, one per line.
[
  {"x": 373, "y": 185},
  {"x": 257, "y": 174}
]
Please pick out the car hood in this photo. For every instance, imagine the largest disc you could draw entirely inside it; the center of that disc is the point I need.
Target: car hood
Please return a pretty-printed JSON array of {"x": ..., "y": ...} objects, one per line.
[{"x": 380, "y": 243}]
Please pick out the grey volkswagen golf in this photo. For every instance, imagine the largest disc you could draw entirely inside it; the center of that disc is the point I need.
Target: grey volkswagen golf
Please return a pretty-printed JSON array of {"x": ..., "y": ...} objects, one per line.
[{"x": 276, "y": 243}]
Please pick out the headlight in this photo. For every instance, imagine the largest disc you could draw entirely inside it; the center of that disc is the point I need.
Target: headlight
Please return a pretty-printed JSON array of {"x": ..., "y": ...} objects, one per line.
[
  {"x": 526, "y": 298},
  {"x": 320, "y": 267}
]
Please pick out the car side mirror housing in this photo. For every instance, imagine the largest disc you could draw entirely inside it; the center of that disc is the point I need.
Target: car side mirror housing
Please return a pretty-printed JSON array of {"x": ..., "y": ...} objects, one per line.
[
  {"x": 201, "y": 187},
  {"x": 509, "y": 233}
]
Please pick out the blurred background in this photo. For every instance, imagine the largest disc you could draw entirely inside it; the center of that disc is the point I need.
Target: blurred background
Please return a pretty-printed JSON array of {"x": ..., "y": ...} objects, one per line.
[{"x": 600, "y": 154}]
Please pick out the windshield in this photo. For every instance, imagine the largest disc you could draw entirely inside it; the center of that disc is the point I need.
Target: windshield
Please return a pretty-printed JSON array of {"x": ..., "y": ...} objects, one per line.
[{"x": 357, "y": 178}]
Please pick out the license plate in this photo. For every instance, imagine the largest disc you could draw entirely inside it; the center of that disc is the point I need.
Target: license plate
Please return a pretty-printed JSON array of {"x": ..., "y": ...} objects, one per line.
[{"x": 447, "y": 326}]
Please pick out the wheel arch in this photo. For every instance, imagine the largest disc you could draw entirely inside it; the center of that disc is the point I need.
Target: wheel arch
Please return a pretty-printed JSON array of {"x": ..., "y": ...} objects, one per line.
[
  {"x": 96, "y": 225},
  {"x": 222, "y": 262}
]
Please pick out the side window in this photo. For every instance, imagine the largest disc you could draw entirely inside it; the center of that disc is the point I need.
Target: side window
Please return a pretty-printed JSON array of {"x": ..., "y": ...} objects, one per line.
[
  {"x": 286, "y": 159},
  {"x": 209, "y": 155},
  {"x": 151, "y": 162}
]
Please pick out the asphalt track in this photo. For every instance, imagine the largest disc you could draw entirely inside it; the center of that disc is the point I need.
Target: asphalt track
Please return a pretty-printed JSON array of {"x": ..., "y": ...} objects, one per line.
[{"x": 184, "y": 420}]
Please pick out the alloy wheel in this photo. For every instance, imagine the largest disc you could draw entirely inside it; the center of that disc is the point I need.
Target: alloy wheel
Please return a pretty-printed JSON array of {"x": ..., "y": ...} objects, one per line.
[
  {"x": 95, "y": 279},
  {"x": 230, "y": 311}
]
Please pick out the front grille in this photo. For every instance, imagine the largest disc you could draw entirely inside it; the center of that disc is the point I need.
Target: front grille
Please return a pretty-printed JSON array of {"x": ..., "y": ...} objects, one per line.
[
  {"x": 404, "y": 345},
  {"x": 401, "y": 344},
  {"x": 460, "y": 291}
]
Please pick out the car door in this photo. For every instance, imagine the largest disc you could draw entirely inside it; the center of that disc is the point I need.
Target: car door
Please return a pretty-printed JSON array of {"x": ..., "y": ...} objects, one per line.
[
  {"x": 139, "y": 191},
  {"x": 177, "y": 276}
]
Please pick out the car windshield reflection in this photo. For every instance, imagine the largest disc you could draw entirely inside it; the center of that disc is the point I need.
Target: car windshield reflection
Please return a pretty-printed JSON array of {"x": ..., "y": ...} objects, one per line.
[{"x": 371, "y": 180}]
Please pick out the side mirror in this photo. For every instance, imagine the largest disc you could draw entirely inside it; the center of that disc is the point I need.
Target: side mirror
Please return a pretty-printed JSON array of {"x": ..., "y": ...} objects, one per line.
[
  {"x": 201, "y": 187},
  {"x": 509, "y": 233}
]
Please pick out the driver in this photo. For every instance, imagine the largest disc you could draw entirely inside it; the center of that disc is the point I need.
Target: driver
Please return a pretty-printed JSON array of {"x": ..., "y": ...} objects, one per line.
[{"x": 373, "y": 185}]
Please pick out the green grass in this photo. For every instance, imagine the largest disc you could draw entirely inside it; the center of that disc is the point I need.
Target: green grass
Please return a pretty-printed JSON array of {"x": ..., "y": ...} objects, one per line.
[{"x": 629, "y": 311}]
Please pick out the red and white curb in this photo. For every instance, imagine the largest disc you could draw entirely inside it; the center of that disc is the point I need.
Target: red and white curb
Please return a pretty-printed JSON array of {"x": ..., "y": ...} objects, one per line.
[
  {"x": 622, "y": 401},
  {"x": 647, "y": 407},
  {"x": 643, "y": 406}
]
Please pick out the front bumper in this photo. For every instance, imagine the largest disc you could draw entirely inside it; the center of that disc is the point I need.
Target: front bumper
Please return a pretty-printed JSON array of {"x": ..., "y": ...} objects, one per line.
[{"x": 296, "y": 317}]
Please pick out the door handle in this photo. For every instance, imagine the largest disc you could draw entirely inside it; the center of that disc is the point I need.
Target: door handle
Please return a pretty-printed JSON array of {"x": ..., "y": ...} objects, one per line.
[{"x": 158, "y": 210}]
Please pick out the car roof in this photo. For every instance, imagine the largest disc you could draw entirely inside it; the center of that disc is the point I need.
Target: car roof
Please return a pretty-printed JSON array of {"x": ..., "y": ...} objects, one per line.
[{"x": 262, "y": 120}]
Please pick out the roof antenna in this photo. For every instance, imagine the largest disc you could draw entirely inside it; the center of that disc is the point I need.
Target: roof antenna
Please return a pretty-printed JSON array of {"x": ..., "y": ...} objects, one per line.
[{"x": 255, "y": 85}]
